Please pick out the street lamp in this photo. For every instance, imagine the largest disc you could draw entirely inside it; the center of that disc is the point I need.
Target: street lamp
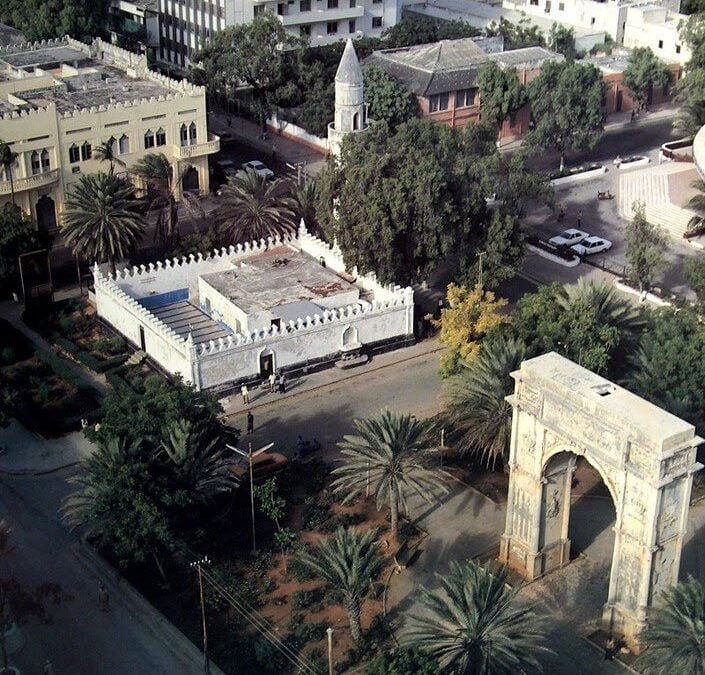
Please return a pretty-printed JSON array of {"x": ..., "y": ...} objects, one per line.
[
  {"x": 329, "y": 630},
  {"x": 250, "y": 456},
  {"x": 197, "y": 564}
]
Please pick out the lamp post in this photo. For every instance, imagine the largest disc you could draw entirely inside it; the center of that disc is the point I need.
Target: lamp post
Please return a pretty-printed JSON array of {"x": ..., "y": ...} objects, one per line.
[
  {"x": 250, "y": 456},
  {"x": 197, "y": 565},
  {"x": 329, "y": 630}
]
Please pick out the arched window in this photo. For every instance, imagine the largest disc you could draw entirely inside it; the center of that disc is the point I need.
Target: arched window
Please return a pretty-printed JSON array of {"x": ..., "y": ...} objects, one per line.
[
  {"x": 74, "y": 154},
  {"x": 356, "y": 121},
  {"x": 148, "y": 139},
  {"x": 46, "y": 165},
  {"x": 184, "y": 135},
  {"x": 113, "y": 145},
  {"x": 192, "y": 134},
  {"x": 124, "y": 144},
  {"x": 86, "y": 151},
  {"x": 161, "y": 137},
  {"x": 36, "y": 166}
]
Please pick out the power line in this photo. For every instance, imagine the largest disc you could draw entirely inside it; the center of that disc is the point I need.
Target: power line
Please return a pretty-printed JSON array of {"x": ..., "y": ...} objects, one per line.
[{"x": 259, "y": 623}]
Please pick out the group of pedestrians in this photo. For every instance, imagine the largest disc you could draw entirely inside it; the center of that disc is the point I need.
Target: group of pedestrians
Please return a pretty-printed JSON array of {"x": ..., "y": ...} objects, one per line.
[{"x": 275, "y": 383}]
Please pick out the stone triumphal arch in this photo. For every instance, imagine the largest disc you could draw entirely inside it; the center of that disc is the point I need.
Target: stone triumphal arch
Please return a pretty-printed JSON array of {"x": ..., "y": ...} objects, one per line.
[{"x": 645, "y": 456}]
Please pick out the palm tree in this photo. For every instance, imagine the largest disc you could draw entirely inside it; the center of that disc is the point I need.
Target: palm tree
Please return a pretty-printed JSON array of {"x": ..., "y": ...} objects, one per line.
[
  {"x": 697, "y": 203},
  {"x": 105, "y": 152},
  {"x": 474, "y": 627},
  {"x": 7, "y": 161},
  {"x": 478, "y": 417},
  {"x": 349, "y": 562},
  {"x": 202, "y": 463},
  {"x": 389, "y": 455},
  {"x": 160, "y": 194},
  {"x": 253, "y": 207},
  {"x": 101, "y": 218},
  {"x": 675, "y": 634},
  {"x": 306, "y": 198}
]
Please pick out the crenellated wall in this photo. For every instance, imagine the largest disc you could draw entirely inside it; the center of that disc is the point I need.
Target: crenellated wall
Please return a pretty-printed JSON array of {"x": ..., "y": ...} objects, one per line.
[{"x": 217, "y": 363}]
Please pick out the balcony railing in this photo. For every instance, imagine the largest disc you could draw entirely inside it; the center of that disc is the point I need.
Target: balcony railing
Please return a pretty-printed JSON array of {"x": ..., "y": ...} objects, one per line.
[
  {"x": 36, "y": 181},
  {"x": 321, "y": 15},
  {"x": 208, "y": 148}
]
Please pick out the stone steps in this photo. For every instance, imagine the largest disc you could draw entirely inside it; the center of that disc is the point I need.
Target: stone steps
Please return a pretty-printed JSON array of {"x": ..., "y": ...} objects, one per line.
[
  {"x": 673, "y": 219},
  {"x": 136, "y": 358}
]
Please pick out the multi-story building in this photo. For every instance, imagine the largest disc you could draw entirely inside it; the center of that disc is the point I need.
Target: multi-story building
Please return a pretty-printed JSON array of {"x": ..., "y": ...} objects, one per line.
[
  {"x": 186, "y": 24},
  {"x": 137, "y": 21},
  {"x": 60, "y": 99}
]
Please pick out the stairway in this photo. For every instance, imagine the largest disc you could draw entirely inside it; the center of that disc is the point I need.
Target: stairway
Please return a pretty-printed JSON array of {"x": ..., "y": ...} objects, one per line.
[{"x": 137, "y": 358}]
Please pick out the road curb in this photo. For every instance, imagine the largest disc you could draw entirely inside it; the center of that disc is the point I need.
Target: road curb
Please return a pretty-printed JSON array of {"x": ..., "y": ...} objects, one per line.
[
  {"x": 140, "y": 608},
  {"x": 38, "y": 472},
  {"x": 264, "y": 404}
]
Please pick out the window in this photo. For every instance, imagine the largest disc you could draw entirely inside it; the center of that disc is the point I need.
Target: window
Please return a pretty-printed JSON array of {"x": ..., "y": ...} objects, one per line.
[
  {"x": 678, "y": 49},
  {"x": 592, "y": 21},
  {"x": 305, "y": 6},
  {"x": 112, "y": 144},
  {"x": 281, "y": 9},
  {"x": 259, "y": 10},
  {"x": 376, "y": 22},
  {"x": 660, "y": 44},
  {"x": 561, "y": 6},
  {"x": 465, "y": 97},
  {"x": 534, "y": 2},
  {"x": 305, "y": 30},
  {"x": 124, "y": 144},
  {"x": 332, "y": 27},
  {"x": 351, "y": 26},
  {"x": 332, "y": 4},
  {"x": 45, "y": 161},
  {"x": 192, "y": 134},
  {"x": 438, "y": 102},
  {"x": 183, "y": 133},
  {"x": 376, "y": 2},
  {"x": 86, "y": 151},
  {"x": 161, "y": 136},
  {"x": 148, "y": 139},
  {"x": 548, "y": 6},
  {"x": 74, "y": 154},
  {"x": 353, "y": 3}
]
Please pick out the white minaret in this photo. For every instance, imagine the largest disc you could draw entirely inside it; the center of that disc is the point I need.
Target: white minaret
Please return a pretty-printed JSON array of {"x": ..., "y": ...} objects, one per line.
[{"x": 350, "y": 108}]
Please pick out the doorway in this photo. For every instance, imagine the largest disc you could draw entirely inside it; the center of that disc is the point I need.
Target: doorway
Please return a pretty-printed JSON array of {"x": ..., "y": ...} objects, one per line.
[
  {"x": 266, "y": 363},
  {"x": 190, "y": 180},
  {"x": 143, "y": 346},
  {"x": 618, "y": 105},
  {"x": 46, "y": 214}
]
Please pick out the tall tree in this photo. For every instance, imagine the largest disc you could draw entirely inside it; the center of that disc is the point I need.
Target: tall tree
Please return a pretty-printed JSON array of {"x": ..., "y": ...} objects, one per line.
[
  {"x": 398, "y": 203},
  {"x": 501, "y": 93},
  {"x": 43, "y": 19},
  {"x": 416, "y": 29},
  {"x": 306, "y": 198},
  {"x": 101, "y": 219},
  {"x": 690, "y": 96},
  {"x": 18, "y": 235},
  {"x": 107, "y": 152},
  {"x": 475, "y": 412},
  {"x": 389, "y": 456},
  {"x": 475, "y": 625},
  {"x": 694, "y": 35},
  {"x": 644, "y": 72},
  {"x": 561, "y": 39},
  {"x": 566, "y": 102},
  {"x": 517, "y": 35},
  {"x": 259, "y": 54},
  {"x": 675, "y": 633},
  {"x": 646, "y": 246},
  {"x": 253, "y": 207},
  {"x": 697, "y": 203},
  {"x": 468, "y": 317},
  {"x": 388, "y": 100},
  {"x": 8, "y": 160},
  {"x": 348, "y": 562},
  {"x": 694, "y": 270}
]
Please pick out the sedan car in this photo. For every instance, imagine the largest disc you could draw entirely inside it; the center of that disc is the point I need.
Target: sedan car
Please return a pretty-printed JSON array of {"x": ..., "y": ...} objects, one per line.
[
  {"x": 592, "y": 245},
  {"x": 568, "y": 237},
  {"x": 259, "y": 168}
]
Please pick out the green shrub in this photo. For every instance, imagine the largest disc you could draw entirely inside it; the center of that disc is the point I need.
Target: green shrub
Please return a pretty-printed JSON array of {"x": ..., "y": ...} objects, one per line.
[
  {"x": 262, "y": 561},
  {"x": 299, "y": 571},
  {"x": 342, "y": 520},
  {"x": 403, "y": 661},
  {"x": 43, "y": 392},
  {"x": 116, "y": 344},
  {"x": 314, "y": 513},
  {"x": 305, "y": 599},
  {"x": 100, "y": 344},
  {"x": 66, "y": 323},
  {"x": 312, "y": 632},
  {"x": 296, "y": 620}
]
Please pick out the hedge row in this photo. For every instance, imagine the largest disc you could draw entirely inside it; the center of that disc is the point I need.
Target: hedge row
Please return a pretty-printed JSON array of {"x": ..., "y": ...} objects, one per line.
[{"x": 88, "y": 360}]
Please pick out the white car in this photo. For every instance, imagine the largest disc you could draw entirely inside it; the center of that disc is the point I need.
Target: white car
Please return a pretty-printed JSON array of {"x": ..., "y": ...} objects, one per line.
[
  {"x": 592, "y": 245},
  {"x": 259, "y": 168},
  {"x": 568, "y": 237}
]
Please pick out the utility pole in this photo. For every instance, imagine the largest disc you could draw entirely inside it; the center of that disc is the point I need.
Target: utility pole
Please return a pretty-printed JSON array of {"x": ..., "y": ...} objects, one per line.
[
  {"x": 197, "y": 564},
  {"x": 329, "y": 630},
  {"x": 250, "y": 456}
]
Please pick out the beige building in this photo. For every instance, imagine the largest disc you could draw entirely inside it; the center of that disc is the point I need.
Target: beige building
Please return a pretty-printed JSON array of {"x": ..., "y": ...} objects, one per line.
[{"x": 60, "y": 99}]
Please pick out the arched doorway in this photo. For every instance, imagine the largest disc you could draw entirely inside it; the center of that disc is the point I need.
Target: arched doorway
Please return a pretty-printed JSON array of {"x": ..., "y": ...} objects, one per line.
[
  {"x": 349, "y": 336},
  {"x": 189, "y": 182},
  {"x": 266, "y": 363},
  {"x": 46, "y": 214},
  {"x": 646, "y": 458}
]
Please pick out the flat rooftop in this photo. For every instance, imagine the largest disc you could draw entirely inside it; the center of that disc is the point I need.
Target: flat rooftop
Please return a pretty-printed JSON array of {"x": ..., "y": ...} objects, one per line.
[
  {"x": 48, "y": 57},
  {"x": 281, "y": 276}
]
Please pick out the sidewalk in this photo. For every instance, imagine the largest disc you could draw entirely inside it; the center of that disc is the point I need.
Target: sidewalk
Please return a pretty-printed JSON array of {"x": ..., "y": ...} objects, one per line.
[{"x": 261, "y": 398}]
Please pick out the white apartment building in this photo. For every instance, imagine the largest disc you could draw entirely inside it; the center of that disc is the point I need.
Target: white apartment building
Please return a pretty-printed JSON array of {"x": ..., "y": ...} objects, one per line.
[
  {"x": 186, "y": 24},
  {"x": 632, "y": 23},
  {"x": 60, "y": 99}
]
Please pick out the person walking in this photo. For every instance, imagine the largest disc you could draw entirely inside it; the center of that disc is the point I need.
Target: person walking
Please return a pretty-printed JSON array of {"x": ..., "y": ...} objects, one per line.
[
  {"x": 580, "y": 217},
  {"x": 282, "y": 384},
  {"x": 250, "y": 422},
  {"x": 245, "y": 394},
  {"x": 272, "y": 382},
  {"x": 103, "y": 598}
]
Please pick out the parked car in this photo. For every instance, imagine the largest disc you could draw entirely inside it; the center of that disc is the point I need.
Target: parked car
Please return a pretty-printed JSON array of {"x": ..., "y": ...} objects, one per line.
[
  {"x": 592, "y": 245},
  {"x": 568, "y": 237},
  {"x": 259, "y": 168},
  {"x": 228, "y": 167},
  {"x": 263, "y": 466}
]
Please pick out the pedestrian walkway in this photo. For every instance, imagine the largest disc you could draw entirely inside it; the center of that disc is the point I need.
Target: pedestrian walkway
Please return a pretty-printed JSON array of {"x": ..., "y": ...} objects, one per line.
[{"x": 261, "y": 397}]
